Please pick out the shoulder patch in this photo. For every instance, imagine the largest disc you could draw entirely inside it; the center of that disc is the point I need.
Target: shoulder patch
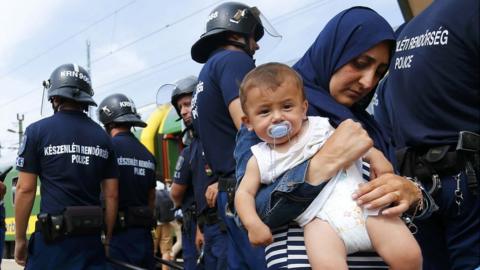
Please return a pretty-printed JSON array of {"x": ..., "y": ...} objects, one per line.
[
  {"x": 179, "y": 164},
  {"x": 23, "y": 143}
]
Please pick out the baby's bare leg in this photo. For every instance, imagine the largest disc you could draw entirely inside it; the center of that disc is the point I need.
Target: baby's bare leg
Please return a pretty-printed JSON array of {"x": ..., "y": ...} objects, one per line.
[
  {"x": 325, "y": 249},
  {"x": 394, "y": 242}
]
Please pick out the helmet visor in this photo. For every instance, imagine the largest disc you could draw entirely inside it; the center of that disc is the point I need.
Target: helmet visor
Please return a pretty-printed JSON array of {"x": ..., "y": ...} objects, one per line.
[
  {"x": 45, "y": 107},
  {"x": 270, "y": 39},
  {"x": 267, "y": 26},
  {"x": 164, "y": 93}
]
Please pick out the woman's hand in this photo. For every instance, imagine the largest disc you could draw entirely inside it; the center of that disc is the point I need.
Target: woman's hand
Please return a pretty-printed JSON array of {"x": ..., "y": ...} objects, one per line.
[
  {"x": 348, "y": 143},
  {"x": 392, "y": 193}
]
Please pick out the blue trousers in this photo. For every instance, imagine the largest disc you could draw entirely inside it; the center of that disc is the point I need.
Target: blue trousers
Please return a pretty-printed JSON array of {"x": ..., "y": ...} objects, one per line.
[
  {"x": 75, "y": 252},
  {"x": 241, "y": 254},
  {"x": 215, "y": 247},
  {"x": 450, "y": 238},
  {"x": 133, "y": 246},
  {"x": 189, "y": 250}
]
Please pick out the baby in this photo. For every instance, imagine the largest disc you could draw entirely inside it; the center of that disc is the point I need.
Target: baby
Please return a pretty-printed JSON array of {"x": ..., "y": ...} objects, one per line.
[{"x": 274, "y": 102}]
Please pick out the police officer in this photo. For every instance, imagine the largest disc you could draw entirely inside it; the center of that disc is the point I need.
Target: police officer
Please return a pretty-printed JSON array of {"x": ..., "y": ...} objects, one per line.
[
  {"x": 74, "y": 160},
  {"x": 182, "y": 187},
  {"x": 226, "y": 48},
  {"x": 209, "y": 234},
  {"x": 132, "y": 239},
  {"x": 430, "y": 104}
]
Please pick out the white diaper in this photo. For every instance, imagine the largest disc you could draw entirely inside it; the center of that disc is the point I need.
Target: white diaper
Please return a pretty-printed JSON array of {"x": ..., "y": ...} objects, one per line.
[{"x": 335, "y": 205}]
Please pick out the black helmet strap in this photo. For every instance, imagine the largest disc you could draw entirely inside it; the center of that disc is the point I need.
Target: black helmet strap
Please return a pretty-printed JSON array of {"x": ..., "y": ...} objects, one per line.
[
  {"x": 243, "y": 46},
  {"x": 190, "y": 130}
]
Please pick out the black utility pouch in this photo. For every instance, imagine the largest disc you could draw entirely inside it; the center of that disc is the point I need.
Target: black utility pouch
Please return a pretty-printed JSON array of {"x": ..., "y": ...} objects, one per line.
[
  {"x": 43, "y": 225},
  {"x": 121, "y": 221},
  {"x": 140, "y": 216},
  {"x": 83, "y": 220},
  {"x": 57, "y": 228}
]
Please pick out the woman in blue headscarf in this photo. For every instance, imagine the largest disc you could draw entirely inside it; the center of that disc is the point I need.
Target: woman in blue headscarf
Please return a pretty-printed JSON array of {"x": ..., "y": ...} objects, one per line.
[
  {"x": 337, "y": 73},
  {"x": 340, "y": 71}
]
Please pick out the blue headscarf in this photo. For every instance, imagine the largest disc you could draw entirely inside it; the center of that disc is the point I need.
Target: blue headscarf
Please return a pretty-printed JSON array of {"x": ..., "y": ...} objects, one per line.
[{"x": 346, "y": 36}]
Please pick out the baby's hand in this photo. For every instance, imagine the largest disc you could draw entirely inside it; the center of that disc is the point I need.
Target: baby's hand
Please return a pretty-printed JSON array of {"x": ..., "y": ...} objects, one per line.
[{"x": 260, "y": 235}]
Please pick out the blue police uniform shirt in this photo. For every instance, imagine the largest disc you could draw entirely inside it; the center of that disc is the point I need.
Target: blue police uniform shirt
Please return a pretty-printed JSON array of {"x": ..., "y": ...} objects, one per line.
[
  {"x": 201, "y": 180},
  {"x": 432, "y": 97},
  {"x": 136, "y": 167},
  {"x": 218, "y": 85},
  {"x": 72, "y": 155},
  {"x": 183, "y": 176}
]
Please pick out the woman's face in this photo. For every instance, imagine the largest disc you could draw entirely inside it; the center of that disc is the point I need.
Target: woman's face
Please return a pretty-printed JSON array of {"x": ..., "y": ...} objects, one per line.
[{"x": 356, "y": 79}]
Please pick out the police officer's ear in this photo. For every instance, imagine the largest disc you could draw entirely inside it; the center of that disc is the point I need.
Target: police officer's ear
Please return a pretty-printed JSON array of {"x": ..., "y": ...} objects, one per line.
[
  {"x": 56, "y": 101},
  {"x": 108, "y": 127},
  {"x": 246, "y": 122}
]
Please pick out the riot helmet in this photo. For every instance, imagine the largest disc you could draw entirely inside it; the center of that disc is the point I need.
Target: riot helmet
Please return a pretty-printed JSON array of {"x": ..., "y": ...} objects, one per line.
[
  {"x": 118, "y": 108},
  {"x": 228, "y": 17},
  {"x": 182, "y": 88},
  {"x": 72, "y": 82}
]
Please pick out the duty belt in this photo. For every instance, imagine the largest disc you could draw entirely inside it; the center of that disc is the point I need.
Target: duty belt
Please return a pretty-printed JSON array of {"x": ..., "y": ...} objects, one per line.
[
  {"x": 208, "y": 217},
  {"x": 75, "y": 220},
  {"x": 189, "y": 213},
  {"x": 135, "y": 217},
  {"x": 428, "y": 163}
]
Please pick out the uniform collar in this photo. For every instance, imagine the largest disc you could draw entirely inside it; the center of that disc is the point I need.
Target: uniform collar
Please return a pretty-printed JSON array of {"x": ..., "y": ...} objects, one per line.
[
  {"x": 71, "y": 112},
  {"x": 124, "y": 133}
]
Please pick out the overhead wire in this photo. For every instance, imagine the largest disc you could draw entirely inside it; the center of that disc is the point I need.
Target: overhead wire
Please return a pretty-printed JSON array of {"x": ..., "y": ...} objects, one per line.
[
  {"x": 141, "y": 71},
  {"x": 65, "y": 40},
  {"x": 306, "y": 8},
  {"x": 130, "y": 75},
  {"x": 116, "y": 50},
  {"x": 278, "y": 19},
  {"x": 18, "y": 97},
  {"x": 302, "y": 10},
  {"x": 281, "y": 18},
  {"x": 156, "y": 31}
]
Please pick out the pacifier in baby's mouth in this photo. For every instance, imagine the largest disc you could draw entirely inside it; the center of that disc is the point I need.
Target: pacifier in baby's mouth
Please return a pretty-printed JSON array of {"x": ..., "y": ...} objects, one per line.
[{"x": 279, "y": 130}]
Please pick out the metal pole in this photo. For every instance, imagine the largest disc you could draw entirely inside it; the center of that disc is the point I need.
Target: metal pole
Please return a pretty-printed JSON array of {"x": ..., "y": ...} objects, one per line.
[
  {"x": 88, "y": 59},
  {"x": 20, "y": 118}
]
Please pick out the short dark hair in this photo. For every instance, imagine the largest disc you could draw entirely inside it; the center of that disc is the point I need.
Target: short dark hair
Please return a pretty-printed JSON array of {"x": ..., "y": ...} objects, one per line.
[{"x": 269, "y": 76}]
